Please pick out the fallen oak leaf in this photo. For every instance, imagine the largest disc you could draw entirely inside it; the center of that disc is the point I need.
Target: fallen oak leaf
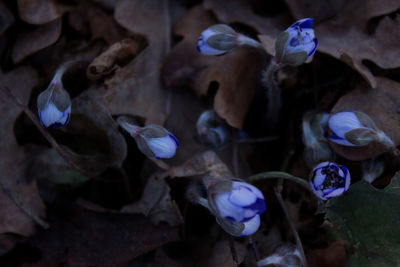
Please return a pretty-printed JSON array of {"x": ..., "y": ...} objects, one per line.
[
  {"x": 90, "y": 19},
  {"x": 40, "y": 11},
  {"x": 20, "y": 204},
  {"x": 352, "y": 46},
  {"x": 136, "y": 89},
  {"x": 42, "y": 36},
  {"x": 156, "y": 203},
  {"x": 6, "y": 18},
  {"x": 79, "y": 236},
  {"x": 94, "y": 142}
]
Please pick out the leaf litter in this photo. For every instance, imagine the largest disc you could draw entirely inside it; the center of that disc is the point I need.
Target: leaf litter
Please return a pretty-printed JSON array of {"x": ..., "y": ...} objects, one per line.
[{"x": 84, "y": 195}]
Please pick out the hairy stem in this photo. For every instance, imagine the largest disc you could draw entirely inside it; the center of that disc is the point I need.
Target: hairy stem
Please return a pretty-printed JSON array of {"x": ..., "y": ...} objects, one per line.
[{"x": 273, "y": 93}]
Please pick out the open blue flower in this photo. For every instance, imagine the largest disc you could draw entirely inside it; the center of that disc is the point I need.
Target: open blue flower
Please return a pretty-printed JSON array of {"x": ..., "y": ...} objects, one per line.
[
  {"x": 329, "y": 179},
  {"x": 241, "y": 204},
  {"x": 301, "y": 37}
]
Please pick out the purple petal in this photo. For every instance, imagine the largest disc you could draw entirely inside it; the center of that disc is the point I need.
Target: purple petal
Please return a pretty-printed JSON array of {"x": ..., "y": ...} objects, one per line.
[
  {"x": 258, "y": 206},
  {"x": 305, "y": 23},
  {"x": 173, "y": 138},
  {"x": 315, "y": 48}
]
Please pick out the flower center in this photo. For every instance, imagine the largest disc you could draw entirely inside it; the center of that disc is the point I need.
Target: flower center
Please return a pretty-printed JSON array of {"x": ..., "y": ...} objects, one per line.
[{"x": 333, "y": 179}]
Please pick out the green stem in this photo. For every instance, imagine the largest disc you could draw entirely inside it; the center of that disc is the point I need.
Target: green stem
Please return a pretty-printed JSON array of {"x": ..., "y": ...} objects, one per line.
[{"x": 279, "y": 175}]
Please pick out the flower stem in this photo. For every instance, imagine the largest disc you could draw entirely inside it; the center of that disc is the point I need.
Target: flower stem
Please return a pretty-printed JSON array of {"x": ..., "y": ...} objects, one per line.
[
  {"x": 273, "y": 92},
  {"x": 278, "y": 190},
  {"x": 279, "y": 175}
]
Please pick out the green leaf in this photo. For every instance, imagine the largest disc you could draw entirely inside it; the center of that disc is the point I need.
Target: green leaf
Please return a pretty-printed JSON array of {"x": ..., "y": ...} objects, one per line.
[{"x": 369, "y": 220}]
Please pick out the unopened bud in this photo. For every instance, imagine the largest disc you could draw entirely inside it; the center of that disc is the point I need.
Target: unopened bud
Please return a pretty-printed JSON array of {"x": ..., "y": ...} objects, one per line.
[
  {"x": 211, "y": 129},
  {"x": 153, "y": 140},
  {"x": 296, "y": 44},
  {"x": 355, "y": 128},
  {"x": 220, "y": 39},
  {"x": 54, "y": 103}
]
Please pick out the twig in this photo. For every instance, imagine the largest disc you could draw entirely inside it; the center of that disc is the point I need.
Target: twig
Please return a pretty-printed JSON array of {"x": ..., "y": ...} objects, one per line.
[
  {"x": 278, "y": 190},
  {"x": 279, "y": 175},
  {"x": 63, "y": 153}
]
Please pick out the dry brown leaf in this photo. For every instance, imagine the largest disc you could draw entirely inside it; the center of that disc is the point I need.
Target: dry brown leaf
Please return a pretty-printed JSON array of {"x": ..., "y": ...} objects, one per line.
[
  {"x": 6, "y": 17},
  {"x": 352, "y": 46},
  {"x": 235, "y": 74},
  {"x": 40, "y": 11},
  {"x": 156, "y": 203},
  {"x": 342, "y": 12},
  {"x": 82, "y": 237},
  {"x": 105, "y": 63},
  {"x": 242, "y": 11},
  {"x": 381, "y": 105},
  {"x": 88, "y": 17},
  {"x": 33, "y": 41},
  {"x": 136, "y": 89},
  {"x": 20, "y": 204},
  {"x": 95, "y": 142},
  {"x": 204, "y": 163}
]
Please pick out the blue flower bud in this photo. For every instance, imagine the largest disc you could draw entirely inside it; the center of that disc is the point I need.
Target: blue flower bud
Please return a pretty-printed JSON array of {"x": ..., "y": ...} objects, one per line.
[
  {"x": 355, "y": 128},
  {"x": 211, "y": 129},
  {"x": 218, "y": 39},
  {"x": 296, "y": 44},
  {"x": 329, "y": 179},
  {"x": 153, "y": 140},
  {"x": 236, "y": 205},
  {"x": 54, "y": 104}
]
